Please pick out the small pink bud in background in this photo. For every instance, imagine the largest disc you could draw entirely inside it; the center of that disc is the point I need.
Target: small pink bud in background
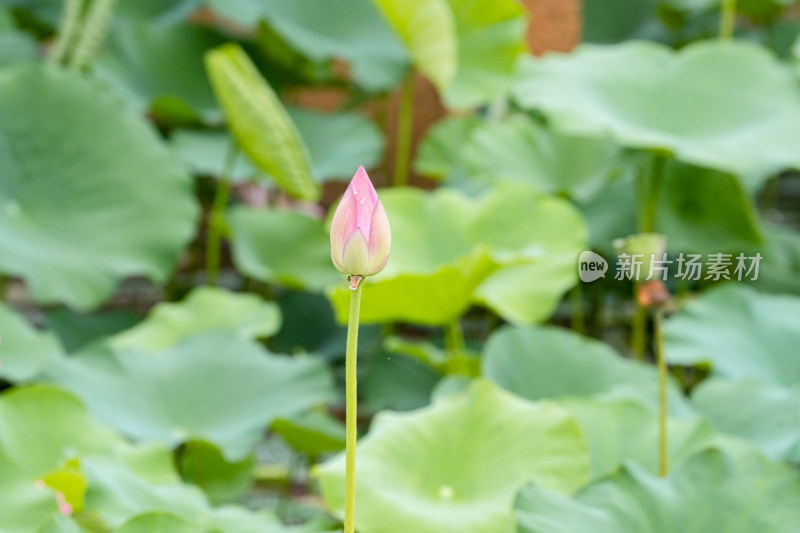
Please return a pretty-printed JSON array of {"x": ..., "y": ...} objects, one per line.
[
  {"x": 360, "y": 233},
  {"x": 64, "y": 506}
]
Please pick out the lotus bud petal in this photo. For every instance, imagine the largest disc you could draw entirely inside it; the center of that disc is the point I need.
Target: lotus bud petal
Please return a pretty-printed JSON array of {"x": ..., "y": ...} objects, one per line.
[{"x": 360, "y": 233}]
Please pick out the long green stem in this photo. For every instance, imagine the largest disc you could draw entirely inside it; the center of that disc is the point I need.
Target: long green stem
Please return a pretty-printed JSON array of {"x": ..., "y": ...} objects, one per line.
[
  {"x": 216, "y": 220},
  {"x": 639, "y": 328},
  {"x": 649, "y": 193},
  {"x": 652, "y": 194},
  {"x": 405, "y": 125},
  {"x": 662, "y": 393},
  {"x": 456, "y": 348},
  {"x": 727, "y": 23},
  {"x": 578, "y": 312},
  {"x": 351, "y": 407},
  {"x": 68, "y": 30},
  {"x": 93, "y": 34}
]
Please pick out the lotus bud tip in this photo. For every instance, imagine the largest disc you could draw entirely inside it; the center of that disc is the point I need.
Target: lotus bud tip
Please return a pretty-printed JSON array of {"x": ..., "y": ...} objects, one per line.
[{"x": 360, "y": 232}]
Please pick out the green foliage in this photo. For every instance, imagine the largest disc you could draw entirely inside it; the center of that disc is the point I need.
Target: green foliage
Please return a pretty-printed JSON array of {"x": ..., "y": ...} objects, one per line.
[
  {"x": 645, "y": 95},
  {"x": 449, "y": 251},
  {"x": 203, "y": 464},
  {"x": 611, "y": 21},
  {"x": 547, "y": 362},
  {"x": 260, "y": 238},
  {"x": 259, "y": 122},
  {"x": 764, "y": 413},
  {"x": 719, "y": 328},
  {"x": 517, "y": 149},
  {"x": 15, "y": 46},
  {"x": 147, "y": 522},
  {"x": 620, "y": 431},
  {"x": 179, "y": 407},
  {"x": 730, "y": 483},
  {"x": 109, "y": 164},
  {"x": 206, "y": 309},
  {"x": 699, "y": 210},
  {"x": 504, "y": 440},
  {"x": 204, "y": 152},
  {"x": 359, "y": 140},
  {"x": 311, "y": 433},
  {"x": 136, "y": 63},
  {"x": 213, "y": 387},
  {"x": 757, "y": 394},
  {"x": 490, "y": 39},
  {"x": 427, "y": 29},
  {"x": 352, "y": 30},
  {"x": 25, "y": 351}
]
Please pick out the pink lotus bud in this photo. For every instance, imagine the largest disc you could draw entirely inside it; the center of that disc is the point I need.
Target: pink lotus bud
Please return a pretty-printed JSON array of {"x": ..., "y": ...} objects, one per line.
[
  {"x": 64, "y": 507},
  {"x": 360, "y": 233}
]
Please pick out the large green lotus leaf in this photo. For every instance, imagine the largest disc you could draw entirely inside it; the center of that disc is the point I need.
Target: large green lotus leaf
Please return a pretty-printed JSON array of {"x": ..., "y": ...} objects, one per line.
[
  {"x": 620, "y": 430},
  {"x": 205, "y": 309},
  {"x": 528, "y": 293},
  {"x": 161, "y": 523},
  {"x": 204, "y": 151},
  {"x": 491, "y": 37},
  {"x": 24, "y": 351},
  {"x": 397, "y": 382},
  {"x": 40, "y": 429},
  {"x": 434, "y": 298},
  {"x": 517, "y": 149},
  {"x": 15, "y": 46},
  {"x": 439, "y": 155},
  {"x": 741, "y": 332},
  {"x": 449, "y": 250},
  {"x": 351, "y": 30},
  {"x": 699, "y": 210},
  {"x": 312, "y": 433},
  {"x": 427, "y": 28},
  {"x": 759, "y": 397},
  {"x": 358, "y": 141},
  {"x": 259, "y": 122},
  {"x": 780, "y": 269},
  {"x": 213, "y": 387},
  {"x": 117, "y": 494},
  {"x": 25, "y": 506},
  {"x": 60, "y": 524},
  {"x": 611, "y": 21},
  {"x": 76, "y": 330},
  {"x": 283, "y": 247},
  {"x": 159, "y": 12},
  {"x": 550, "y": 362},
  {"x": 705, "y": 210},
  {"x": 137, "y": 64},
  {"x": 763, "y": 11},
  {"x": 203, "y": 464},
  {"x": 735, "y": 491},
  {"x": 725, "y": 105},
  {"x": 234, "y": 519},
  {"x": 456, "y": 465},
  {"x": 766, "y": 414},
  {"x": 611, "y": 213},
  {"x": 84, "y": 208}
]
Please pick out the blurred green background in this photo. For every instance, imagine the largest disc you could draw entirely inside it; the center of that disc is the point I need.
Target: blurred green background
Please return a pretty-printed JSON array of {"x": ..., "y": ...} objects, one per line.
[{"x": 171, "y": 325}]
